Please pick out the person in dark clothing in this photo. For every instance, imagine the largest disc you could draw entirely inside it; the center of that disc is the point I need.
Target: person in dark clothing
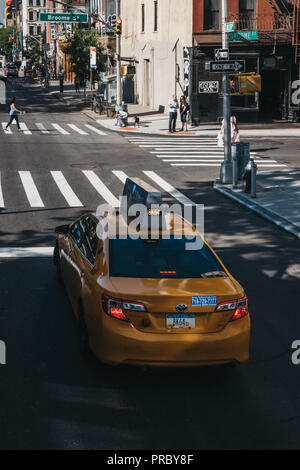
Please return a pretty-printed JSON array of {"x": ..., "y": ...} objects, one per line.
[
  {"x": 184, "y": 108},
  {"x": 13, "y": 112}
]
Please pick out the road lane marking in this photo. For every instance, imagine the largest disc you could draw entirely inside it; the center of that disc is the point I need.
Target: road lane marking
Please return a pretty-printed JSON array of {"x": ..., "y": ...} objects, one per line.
[
  {"x": 77, "y": 129},
  {"x": 31, "y": 252},
  {"x": 30, "y": 189},
  {"x": 60, "y": 129},
  {"x": 25, "y": 128},
  {"x": 1, "y": 195},
  {"x": 121, "y": 175},
  {"x": 8, "y": 130},
  {"x": 66, "y": 189},
  {"x": 42, "y": 128},
  {"x": 101, "y": 188},
  {"x": 94, "y": 129},
  {"x": 169, "y": 188}
]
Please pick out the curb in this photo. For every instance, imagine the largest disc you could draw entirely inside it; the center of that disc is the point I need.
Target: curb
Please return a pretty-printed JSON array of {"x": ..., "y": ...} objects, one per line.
[{"x": 267, "y": 214}]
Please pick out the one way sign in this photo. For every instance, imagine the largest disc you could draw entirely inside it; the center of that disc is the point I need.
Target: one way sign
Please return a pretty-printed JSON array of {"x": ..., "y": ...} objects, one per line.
[{"x": 228, "y": 66}]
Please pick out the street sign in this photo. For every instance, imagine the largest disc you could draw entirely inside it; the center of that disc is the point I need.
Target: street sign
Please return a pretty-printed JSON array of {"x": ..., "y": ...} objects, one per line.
[
  {"x": 52, "y": 31},
  {"x": 46, "y": 46},
  {"x": 228, "y": 66},
  {"x": 221, "y": 54},
  {"x": 93, "y": 57},
  {"x": 69, "y": 30},
  {"x": 243, "y": 35},
  {"x": 64, "y": 17},
  {"x": 229, "y": 27},
  {"x": 208, "y": 87}
]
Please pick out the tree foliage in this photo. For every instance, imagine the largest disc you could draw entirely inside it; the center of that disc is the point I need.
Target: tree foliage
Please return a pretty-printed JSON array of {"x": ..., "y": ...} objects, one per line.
[
  {"x": 33, "y": 52},
  {"x": 6, "y": 46},
  {"x": 79, "y": 49}
]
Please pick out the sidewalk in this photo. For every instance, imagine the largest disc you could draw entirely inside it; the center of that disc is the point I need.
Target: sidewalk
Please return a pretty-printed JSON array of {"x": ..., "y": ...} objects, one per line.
[
  {"x": 155, "y": 122},
  {"x": 278, "y": 198}
]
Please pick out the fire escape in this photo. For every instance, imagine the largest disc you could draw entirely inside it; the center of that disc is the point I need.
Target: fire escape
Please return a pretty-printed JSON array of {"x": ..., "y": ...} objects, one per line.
[{"x": 283, "y": 26}]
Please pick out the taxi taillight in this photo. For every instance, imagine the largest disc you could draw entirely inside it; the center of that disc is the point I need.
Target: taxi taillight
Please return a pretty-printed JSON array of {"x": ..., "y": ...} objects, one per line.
[
  {"x": 115, "y": 307},
  {"x": 239, "y": 306}
]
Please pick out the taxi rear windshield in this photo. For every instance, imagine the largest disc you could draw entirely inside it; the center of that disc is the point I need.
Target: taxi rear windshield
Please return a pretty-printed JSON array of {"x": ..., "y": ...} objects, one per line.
[{"x": 164, "y": 258}]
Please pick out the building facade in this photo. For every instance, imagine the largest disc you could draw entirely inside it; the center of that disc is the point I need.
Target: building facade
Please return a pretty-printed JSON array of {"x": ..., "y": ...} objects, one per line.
[
  {"x": 154, "y": 36},
  {"x": 273, "y": 52}
]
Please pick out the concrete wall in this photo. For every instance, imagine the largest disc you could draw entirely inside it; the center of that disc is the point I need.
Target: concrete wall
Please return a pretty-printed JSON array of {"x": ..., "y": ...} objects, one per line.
[{"x": 155, "y": 70}]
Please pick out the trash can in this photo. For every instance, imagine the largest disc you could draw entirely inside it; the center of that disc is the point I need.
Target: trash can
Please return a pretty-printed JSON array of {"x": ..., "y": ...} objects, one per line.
[{"x": 241, "y": 151}]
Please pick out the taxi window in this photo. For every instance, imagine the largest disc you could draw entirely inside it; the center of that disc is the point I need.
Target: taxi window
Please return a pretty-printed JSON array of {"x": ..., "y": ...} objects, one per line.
[
  {"x": 90, "y": 226},
  {"x": 78, "y": 235},
  {"x": 161, "y": 259}
]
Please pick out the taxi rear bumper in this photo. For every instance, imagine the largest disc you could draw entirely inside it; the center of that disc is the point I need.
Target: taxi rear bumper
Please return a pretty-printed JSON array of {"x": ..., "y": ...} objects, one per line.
[{"x": 121, "y": 343}]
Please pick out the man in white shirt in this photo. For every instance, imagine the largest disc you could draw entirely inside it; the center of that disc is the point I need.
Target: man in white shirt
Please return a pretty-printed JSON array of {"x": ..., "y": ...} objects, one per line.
[{"x": 173, "y": 106}]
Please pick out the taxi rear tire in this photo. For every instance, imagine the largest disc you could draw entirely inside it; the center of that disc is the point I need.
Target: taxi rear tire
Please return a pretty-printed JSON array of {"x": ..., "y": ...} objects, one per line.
[
  {"x": 83, "y": 335},
  {"x": 56, "y": 260}
]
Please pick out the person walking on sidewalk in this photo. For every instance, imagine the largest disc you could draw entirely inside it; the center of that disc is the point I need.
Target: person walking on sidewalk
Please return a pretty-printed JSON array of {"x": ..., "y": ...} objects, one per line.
[
  {"x": 13, "y": 112},
  {"x": 61, "y": 80},
  {"x": 77, "y": 84},
  {"x": 184, "y": 108},
  {"x": 173, "y": 106}
]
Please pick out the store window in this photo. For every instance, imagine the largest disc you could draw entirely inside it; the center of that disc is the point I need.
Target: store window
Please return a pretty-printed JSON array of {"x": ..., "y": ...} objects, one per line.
[{"x": 211, "y": 14}]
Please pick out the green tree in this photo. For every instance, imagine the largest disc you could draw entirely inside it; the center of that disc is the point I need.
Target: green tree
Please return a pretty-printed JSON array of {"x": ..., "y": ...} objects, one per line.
[
  {"x": 33, "y": 52},
  {"x": 79, "y": 49},
  {"x": 6, "y": 46}
]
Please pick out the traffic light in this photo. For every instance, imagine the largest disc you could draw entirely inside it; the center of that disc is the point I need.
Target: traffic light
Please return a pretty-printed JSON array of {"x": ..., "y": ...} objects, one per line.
[
  {"x": 10, "y": 39},
  {"x": 119, "y": 26},
  {"x": 8, "y": 9},
  {"x": 244, "y": 83}
]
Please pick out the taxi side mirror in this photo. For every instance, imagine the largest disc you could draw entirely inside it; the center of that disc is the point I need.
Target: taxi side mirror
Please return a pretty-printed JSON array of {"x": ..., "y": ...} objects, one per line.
[{"x": 62, "y": 229}]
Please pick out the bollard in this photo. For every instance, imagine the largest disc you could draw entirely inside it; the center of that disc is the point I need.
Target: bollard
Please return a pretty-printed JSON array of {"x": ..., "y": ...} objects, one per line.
[
  {"x": 248, "y": 178},
  {"x": 253, "y": 177},
  {"x": 234, "y": 167}
]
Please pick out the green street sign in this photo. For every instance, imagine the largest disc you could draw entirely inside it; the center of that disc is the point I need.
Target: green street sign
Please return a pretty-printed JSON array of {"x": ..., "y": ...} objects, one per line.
[
  {"x": 64, "y": 17},
  {"x": 229, "y": 27},
  {"x": 243, "y": 35}
]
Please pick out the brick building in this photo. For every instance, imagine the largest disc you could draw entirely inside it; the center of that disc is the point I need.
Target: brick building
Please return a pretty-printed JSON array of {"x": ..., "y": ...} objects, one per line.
[{"x": 274, "y": 54}]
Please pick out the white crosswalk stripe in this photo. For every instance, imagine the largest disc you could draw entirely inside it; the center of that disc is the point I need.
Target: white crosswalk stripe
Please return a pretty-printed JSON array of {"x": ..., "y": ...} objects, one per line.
[
  {"x": 169, "y": 188},
  {"x": 94, "y": 129},
  {"x": 30, "y": 189},
  {"x": 77, "y": 129},
  {"x": 66, "y": 189},
  {"x": 25, "y": 128},
  {"x": 8, "y": 130},
  {"x": 60, "y": 129},
  {"x": 101, "y": 188},
  {"x": 192, "y": 151},
  {"x": 1, "y": 195},
  {"x": 42, "y": 128}
]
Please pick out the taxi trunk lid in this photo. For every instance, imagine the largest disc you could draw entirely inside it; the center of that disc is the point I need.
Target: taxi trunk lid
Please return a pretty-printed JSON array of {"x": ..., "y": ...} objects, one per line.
[{"x": 169, "y": 305}]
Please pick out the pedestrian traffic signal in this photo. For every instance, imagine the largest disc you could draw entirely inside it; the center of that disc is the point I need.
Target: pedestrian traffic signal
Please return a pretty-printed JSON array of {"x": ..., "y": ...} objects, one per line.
[
  {"x": 119, "y": 26},
  {"x": 242, "y": 84},
  {"x": 8, "y": 9}
]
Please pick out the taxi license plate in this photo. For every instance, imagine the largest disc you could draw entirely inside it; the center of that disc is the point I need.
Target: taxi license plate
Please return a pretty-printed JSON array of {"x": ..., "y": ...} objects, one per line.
[{"x": 180, "y": 320}]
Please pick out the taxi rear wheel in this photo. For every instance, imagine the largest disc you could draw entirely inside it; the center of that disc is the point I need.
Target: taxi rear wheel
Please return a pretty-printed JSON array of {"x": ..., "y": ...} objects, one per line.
[
  {"x": 57, "y": 263},
  {"x": 83, "y": 335}
]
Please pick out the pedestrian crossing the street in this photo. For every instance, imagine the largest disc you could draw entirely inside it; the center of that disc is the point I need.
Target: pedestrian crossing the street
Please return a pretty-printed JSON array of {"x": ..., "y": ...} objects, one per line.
[
  {"x": 32, "y": 189},
  {"x": 53, "y": 128},
  {"x": 180, "y": 151}
]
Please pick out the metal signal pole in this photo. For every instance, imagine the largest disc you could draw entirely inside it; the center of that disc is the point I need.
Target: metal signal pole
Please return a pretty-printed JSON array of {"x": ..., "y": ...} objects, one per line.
[
  {"x": 118, "y": 54},
  {"x": 226, "y": 166}
]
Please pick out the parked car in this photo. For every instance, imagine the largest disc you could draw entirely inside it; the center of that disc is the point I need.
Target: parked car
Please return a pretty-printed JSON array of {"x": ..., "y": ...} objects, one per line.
[{"x": 12, "y": 71}]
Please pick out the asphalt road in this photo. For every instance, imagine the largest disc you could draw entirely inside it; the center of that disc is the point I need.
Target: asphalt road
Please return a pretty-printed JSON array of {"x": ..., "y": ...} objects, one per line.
[{"x": 51, "y": 398}]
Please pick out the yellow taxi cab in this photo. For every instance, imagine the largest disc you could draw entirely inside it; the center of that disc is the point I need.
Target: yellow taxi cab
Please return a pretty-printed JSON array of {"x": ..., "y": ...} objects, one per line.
[{"x": 149, "y": 301}]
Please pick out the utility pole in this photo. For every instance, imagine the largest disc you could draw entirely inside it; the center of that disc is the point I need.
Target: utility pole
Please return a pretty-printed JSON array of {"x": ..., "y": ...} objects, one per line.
[
  {"x": 226, "y": 166},
  {"x": 118, "y": 54}
]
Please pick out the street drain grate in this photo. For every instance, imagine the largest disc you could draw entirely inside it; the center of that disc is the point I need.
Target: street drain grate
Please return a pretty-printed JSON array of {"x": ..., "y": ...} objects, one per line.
[{"x": 84, "y": 166}]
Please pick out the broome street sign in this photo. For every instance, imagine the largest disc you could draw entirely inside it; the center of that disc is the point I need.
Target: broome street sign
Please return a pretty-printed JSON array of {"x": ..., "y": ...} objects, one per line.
[
  {"x": 228, "y": 66},
  {"x": 243, "y": 36},
  {"x": 64, "y": 17}
]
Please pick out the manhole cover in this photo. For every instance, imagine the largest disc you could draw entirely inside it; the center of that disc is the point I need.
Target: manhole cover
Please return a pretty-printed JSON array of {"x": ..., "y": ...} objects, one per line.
[{"x": 84, "y": 166}]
